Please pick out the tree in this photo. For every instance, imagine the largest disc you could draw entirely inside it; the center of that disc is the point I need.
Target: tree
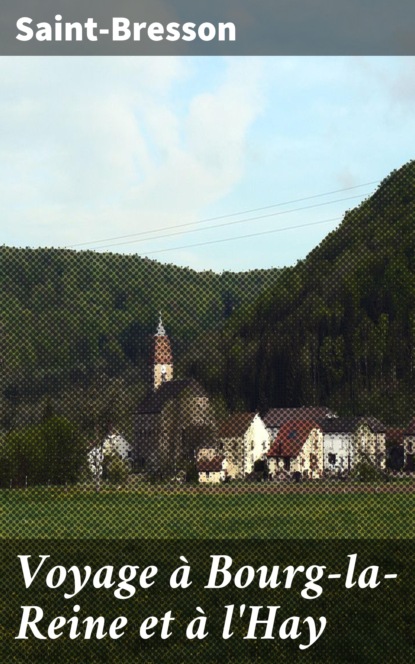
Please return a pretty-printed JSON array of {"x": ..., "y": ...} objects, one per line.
[
  {"x": 366, "y": 471},
  {"x": 53, "y": 451}
]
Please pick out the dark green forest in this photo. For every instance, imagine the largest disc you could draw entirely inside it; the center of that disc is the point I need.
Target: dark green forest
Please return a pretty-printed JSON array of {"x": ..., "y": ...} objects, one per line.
[
  {"x": 338, "y": 329},
  {"x": 76, "y": 329}
]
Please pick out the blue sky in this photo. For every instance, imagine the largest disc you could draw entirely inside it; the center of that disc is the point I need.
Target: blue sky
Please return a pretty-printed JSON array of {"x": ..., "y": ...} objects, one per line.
[{"x": 97, "y": 148}]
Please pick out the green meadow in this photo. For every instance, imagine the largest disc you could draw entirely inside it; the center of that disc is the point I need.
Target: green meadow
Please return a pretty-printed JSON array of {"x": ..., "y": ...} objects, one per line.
[
  {"x": 56, "y": 513},
  {"x": 140, "y": 527}
]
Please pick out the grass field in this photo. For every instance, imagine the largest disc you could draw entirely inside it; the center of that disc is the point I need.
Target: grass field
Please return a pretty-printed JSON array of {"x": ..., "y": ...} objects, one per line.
[
  {"x": 364, "y": 626},
  {"x": 56, "y": 513}
]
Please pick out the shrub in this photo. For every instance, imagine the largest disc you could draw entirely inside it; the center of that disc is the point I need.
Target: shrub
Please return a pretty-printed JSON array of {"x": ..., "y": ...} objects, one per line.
[
  {"x": 192, "y": 474},
  {"x": 365, "y": 471},
  {"x": 117, "y": 471}
]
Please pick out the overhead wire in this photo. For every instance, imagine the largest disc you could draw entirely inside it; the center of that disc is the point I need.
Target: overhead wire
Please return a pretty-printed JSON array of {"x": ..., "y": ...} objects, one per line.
[
  {"x": 225, "y": 216},
  {"x": 230, "y": 223},
  {"x": 241, "y": 237}
]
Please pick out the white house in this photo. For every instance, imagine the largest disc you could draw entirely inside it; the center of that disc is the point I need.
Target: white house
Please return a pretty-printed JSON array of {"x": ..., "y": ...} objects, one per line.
[
  {"x": 114, "y": 444},
  {"x": 338, "y": 444},
  {"x": 243, "y": 439},
  {"x": 297, "y": 448},
  {"x": 211, "y": 470},
  {"x": 371, "y": 440},
  {"x": 346, "y": 440},
  {"x": 409, "y": 446}
]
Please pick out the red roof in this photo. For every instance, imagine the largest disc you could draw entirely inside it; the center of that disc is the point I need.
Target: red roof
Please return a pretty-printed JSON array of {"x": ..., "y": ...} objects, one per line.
[
  {"x": 291, "y": 438},
  {"x": 210, "y": 465}
]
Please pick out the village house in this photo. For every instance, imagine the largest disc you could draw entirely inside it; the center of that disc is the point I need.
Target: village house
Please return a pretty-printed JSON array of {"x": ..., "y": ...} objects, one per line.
[
  {"x": 175, "y": 426},
  {"x": 206, "y": 453},
  {"x": 371, "y": 440},
  {"x": 274, "y": 418},
  {"x": 338, "y": 444},
  {"x": 211, "y": 470},
  {"x": 409, "y": 447},
  {"x": 173, "y": 420},
  {"x": 243, "y": 439},
  {"x": 297, "y": 448},
  {"x": 114, "y": 445},
  {"x": 210, "y": 464},
  {"x": 347, "y": 440}
]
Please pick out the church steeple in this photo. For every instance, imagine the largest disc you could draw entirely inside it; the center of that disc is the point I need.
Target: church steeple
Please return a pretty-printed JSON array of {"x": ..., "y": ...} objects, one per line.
[
  {"x": 163, "y": 358},
  {"x": 161, "y": 332}
]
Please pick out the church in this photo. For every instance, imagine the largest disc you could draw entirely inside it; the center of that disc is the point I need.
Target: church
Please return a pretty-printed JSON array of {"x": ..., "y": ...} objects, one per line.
[{"x": 174, "y": 419}]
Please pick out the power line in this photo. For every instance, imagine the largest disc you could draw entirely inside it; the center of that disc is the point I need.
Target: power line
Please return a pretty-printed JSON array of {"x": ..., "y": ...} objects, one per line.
[
  {"x": 225, "y": 216},
  {"x": 242, "y": 237},
  {"x": 231, "y": 223}
]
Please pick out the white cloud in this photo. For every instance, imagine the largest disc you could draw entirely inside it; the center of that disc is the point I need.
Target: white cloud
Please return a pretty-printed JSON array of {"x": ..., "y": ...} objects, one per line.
[{"x": 97, "y": 147}]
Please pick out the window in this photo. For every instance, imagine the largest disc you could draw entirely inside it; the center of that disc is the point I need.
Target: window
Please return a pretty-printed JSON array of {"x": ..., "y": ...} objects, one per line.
[
  {"x": 332, "y": 458},
  {"x": 313, "y": 460},
  {"x": 207, "y": 474},
  {"x": 287, "y": 463}
]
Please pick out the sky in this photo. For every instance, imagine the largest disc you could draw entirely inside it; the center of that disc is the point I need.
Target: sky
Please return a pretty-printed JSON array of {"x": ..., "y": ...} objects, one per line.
[{"x": 177, "y": 158}]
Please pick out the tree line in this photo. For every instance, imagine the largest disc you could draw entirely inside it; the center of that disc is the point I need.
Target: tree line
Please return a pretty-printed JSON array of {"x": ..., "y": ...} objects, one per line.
[
  {"x": 338, "y": 329},
  {"x": 76, "y": 328}
]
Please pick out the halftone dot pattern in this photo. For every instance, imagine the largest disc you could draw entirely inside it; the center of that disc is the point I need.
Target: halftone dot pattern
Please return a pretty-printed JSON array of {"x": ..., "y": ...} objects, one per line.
[{"x": 145, "y": 402}]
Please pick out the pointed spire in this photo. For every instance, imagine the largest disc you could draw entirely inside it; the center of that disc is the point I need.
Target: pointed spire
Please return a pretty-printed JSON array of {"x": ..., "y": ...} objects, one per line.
[
  {"x": 161, "y": 332},
  {"x": 162, "y": 357}
]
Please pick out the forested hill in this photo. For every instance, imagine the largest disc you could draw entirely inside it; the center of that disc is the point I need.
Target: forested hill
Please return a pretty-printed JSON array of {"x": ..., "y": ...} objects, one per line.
[
  {"x": 338, "y": 329},
  {"x": 76, "y": 327}
]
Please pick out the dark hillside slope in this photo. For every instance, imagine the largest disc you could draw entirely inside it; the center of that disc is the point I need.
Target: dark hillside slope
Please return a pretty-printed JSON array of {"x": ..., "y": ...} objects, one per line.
[
  {"x": 76, "y": 327},
  {"x": 338, "y": 329}
]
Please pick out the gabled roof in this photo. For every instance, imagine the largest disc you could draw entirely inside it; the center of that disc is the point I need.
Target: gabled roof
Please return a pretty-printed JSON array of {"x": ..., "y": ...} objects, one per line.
[
  {"x": 373, "y": 423},
  {"x": 276, "y": 417},
  {"x": 291, "y": 438},
  {"x": 410, "y": 431},
  {"x": 340, "y": 425},
  {"x": 156, "y": 400},
  {"x": 236, "y": 425},
  {"x": 350, "y": 424},
  {"x": 114, "y": 435},
  {"x": 210, "y": 465}
]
